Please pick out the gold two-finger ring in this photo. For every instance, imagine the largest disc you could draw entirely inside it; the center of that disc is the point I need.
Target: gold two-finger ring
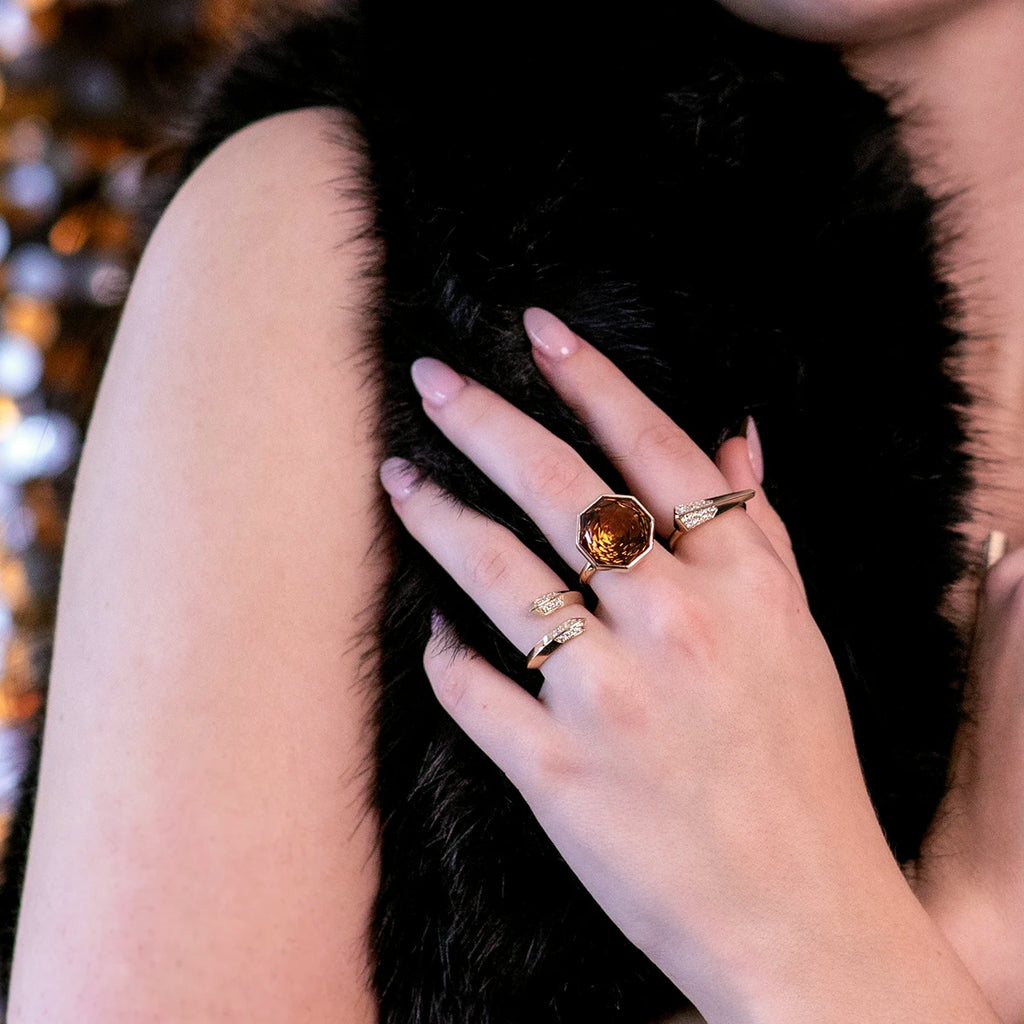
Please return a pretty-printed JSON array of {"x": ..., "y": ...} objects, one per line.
[
  {"x": 550, "y": 642},
  {"x": 548, "y": 603}
]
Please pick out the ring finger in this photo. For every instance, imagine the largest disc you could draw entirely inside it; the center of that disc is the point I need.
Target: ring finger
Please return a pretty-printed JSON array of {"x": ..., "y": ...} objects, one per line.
[{"x": 486, "y": 560}]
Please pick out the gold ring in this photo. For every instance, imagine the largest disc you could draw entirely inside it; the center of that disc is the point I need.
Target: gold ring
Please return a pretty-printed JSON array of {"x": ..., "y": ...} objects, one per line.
[
  {"x": 550, "y": 642},
  {"x": 695, "y": 513},
  {"x": 548, "y": 603},
  {"x": 614, "y": 532},
  {"x": 994, "y": 548}
]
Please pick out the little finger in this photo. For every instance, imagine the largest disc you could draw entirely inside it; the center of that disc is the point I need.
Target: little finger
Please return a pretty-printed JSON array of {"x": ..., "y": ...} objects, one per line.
[{"x": 502, "y": 719}]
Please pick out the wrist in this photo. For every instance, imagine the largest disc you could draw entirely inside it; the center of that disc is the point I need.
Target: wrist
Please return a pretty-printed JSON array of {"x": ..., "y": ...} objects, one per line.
[{"x": 849, "y": 952}]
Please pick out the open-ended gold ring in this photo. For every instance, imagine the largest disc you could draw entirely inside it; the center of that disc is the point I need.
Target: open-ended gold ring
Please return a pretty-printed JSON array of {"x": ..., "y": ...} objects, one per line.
[
  {"x": 695, "y": 513},
  {"x": 614, "y": 532},
  {"x": 548, "y": 603},
  {"x": 550, "y": 642}
]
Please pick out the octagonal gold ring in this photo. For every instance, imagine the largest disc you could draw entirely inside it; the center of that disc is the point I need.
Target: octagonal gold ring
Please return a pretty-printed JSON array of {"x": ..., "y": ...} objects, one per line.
[{"x": 614, "y": 532}]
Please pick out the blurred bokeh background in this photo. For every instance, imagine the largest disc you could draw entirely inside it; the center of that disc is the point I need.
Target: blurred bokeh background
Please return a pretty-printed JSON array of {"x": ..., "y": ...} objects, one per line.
[{"x": 93, "y": 96}]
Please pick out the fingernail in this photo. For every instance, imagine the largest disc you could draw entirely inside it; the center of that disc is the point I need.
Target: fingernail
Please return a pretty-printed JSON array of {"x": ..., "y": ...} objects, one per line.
[
  {"x": 754, "y": 448},
  {"x": 548, "y": 334},
  {"x": 436, "y": 622},
  {"x": 438, "y": 633},
  {"x": 436, "y": 382},
  {"x": 398, "y": 477}
]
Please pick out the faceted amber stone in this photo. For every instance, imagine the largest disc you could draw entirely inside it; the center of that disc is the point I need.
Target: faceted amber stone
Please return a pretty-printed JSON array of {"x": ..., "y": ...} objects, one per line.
[{"x": 615, "y": 531}]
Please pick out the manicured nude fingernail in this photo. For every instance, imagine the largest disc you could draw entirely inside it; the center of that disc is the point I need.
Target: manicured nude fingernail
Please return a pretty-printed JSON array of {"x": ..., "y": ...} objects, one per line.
[
  {"x": 398, "y": 477},
  {"x": 438, "y": 633},
  {"x": 436, "y": 623},
  {"x": 754, "y": 448},
  {"x": 548, "y": 334},
  {"x": 437, "y": 382}
]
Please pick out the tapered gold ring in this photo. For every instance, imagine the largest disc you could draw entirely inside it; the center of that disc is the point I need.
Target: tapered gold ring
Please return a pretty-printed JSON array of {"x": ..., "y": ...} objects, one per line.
[
  {"x": 695, "y": 513},
  {"x": 550, "y": 642},
  {"x": 614, "y": 532},
  {"x": 994, "y": 548}
]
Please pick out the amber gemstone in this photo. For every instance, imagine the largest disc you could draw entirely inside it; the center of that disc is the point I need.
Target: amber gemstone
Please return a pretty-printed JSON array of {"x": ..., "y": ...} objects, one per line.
[{"x": 615, "y": 531}]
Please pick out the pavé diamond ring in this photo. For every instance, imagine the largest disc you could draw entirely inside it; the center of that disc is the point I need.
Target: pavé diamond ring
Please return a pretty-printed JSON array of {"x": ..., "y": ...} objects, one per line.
[
  {"x": 548, "y": 644},
  {"x": 691, "y": 515},
  {"x": 548, "y": 603}
]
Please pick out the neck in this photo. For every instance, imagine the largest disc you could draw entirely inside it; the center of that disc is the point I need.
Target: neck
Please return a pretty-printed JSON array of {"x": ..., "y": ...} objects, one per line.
[{"x": 958, "y": 88}]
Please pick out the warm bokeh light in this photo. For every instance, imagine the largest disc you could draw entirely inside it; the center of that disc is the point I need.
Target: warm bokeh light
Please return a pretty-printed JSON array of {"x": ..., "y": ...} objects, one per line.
[
  {"x": 10, "y": 416},
  {"x": 69, "y": 233},
  {"x": 36, "y": 6},
  {"x": 16, "y": 594},
  {"x": 31, "y": 317}
]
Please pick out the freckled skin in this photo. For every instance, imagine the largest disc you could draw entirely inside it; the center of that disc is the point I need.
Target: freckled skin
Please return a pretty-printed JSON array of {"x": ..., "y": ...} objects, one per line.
[{"x": 845, "y": 21}]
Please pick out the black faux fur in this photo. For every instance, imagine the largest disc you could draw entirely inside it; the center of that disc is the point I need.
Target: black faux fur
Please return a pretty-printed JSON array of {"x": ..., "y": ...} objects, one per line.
[{"x": 727, "y": 215}]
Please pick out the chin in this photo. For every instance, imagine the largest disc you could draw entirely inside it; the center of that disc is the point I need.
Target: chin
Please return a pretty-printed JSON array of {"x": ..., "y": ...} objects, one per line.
[{"x": 845, "y": 21}]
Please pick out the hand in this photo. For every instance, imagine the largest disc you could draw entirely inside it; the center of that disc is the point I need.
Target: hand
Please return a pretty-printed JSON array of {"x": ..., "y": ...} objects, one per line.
[
  {"x": 970, "y": 876},
  {"x": 690, "y": 755}
]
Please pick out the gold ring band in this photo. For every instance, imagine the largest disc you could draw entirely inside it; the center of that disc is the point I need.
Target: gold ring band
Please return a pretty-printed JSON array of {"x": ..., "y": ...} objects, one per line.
[
  {"x": 994, "y": 548},
  {"x": 689, "y": 516},
  {"x": 548, "y": 603},
  {"x": 550, "y": 642}
]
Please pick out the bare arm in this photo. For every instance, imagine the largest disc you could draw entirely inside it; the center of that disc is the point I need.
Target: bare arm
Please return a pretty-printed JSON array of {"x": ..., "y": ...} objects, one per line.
[{"x": 202, "y": 848}]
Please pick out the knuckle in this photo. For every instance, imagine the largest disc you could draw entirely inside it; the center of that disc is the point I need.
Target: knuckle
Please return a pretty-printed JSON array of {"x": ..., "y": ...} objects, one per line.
[
  {"x": 474, "y": 411},
  {"x": 449, "y": 674},
  {"x": 673, "y": 613},
  {"x": 487, "y": 567},
  {"x": 618, "y": 701},
  {"x": 556, "y": 762},
  {"x": 551, "y": 474},
  {"x": 663, "y": 440},
  {"x": 765, "y": 580}
]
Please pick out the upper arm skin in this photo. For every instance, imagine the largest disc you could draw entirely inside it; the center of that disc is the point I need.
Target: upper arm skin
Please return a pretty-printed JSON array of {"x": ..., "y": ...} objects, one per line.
[{"x": 202, "y": 848}]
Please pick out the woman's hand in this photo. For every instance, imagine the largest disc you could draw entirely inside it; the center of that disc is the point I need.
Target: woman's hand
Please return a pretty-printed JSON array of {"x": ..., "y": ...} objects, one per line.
[
  {"x": 970, "y": 875},
  {"x": 690, "y": 754}
]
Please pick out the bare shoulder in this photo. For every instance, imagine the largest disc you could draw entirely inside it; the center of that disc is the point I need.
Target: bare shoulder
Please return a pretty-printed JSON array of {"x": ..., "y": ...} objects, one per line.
[{"x": 204, "y": 846}]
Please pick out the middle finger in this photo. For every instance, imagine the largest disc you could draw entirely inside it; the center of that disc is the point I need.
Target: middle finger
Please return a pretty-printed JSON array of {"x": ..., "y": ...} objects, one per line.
[
  {"x": 659, "y": 461},
  {"x": 545, "y": 476}
]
